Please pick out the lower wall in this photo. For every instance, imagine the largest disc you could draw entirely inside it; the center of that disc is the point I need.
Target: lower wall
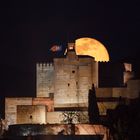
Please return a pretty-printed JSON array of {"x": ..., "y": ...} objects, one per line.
[
  {"x": 60, "y": 117},
  {"x": 11, "y": 106},
  {"x": 57, "y": 129},
  {"x": 31, "y": 114}
]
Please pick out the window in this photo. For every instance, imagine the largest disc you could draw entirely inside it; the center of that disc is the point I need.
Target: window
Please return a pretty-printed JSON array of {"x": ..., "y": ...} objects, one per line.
[{"x": 73, "y": 71}]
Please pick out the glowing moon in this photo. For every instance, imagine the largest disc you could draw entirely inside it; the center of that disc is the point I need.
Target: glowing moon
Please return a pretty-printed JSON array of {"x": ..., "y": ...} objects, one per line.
[{"x": 91, "y": 47}]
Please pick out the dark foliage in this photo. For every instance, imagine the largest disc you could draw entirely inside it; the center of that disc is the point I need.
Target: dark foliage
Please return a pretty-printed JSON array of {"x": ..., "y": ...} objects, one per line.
[
  {"x": 93, "y": 110},
  {"x": 124, "y": 121}
]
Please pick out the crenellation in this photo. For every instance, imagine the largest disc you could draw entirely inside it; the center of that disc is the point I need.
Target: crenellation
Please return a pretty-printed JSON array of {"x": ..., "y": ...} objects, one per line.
[
  {"x": 45, "y": 66},
  {"x": 45, "y": 73},
  {"x": 66, "y": 83},
  {"x": 48, "y": 64}
]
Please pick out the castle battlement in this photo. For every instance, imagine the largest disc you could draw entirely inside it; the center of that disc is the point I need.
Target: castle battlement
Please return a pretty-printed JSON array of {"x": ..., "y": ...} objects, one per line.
[{"x": 45, "y": 66}]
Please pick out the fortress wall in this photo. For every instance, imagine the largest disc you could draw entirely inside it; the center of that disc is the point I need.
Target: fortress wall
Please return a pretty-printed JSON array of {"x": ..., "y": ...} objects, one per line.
[
  {"x": 84, "y": 129},
  {"x": 72, "y": 81},
  {"x": 57, "y": 117},
  {"x": 119, "y": 92},
  {"x": 45, "y": 81},
  {"x": 128, "y": 75},
  {"x": 11, "y": 108},
  {"x": 53, "y": 117},
  {"x": 49, "y": 103},
  {"x": 84, "y": 83},
  {"x": 65, "y": 82},
  {"x": 133, "y": 89},
  {"x": 103, "y": 92},
  {"x": 32, "y": 114}
]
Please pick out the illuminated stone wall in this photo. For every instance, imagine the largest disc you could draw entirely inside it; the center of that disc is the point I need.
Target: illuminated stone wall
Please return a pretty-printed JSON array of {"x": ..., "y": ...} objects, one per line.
[
  {"x": 104, "y": 92},
  {"x": 31, "y": 114},
  {"x": 45, "y": 81},
  {"x": 54, "y": 117},
  {"x": 130, "y": 92},
  {"x": 58, "y": 118},
  {"x": 128, "y": 73},
  {"x": 112, "y": 92},
  {"x": 48, "y": 102},
  {"x": 127, "y": 76},
  {"x": 133, "y": 89},
  {"x": 87, "y": 129},
  {"x": 68, "y": 78},
  {"x": 66, "y": 83},
  {"x": 63, "y": 131},
  {"x": 73, "y": 79},
  {"x": 12, "y": 103},
  {"x": 11, "y": 108}
]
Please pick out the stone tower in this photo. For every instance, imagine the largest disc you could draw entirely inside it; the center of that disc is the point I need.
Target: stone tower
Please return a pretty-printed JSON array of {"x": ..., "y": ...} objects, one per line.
[
  {"x": 68, "y": 78},
  {"x": 74, "y": 76},
  {"x": 45, "y": 79}
]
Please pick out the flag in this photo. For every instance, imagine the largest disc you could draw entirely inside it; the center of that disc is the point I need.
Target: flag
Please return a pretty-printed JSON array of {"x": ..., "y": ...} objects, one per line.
[{"x": 56, "y": 48}]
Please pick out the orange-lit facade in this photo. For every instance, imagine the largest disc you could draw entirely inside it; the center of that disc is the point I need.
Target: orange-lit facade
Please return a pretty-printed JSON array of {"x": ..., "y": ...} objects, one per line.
[{"x": 65, "y": 83}]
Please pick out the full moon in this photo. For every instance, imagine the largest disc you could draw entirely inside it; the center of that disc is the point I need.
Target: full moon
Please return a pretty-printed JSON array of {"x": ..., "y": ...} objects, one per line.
[{"x": 93, "y": 48}]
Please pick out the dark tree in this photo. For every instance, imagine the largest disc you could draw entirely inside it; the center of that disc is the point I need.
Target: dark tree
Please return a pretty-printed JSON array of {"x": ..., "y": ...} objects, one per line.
[
  {"x": 93, "y": 110},
  {"x": 124, "y": 121}
]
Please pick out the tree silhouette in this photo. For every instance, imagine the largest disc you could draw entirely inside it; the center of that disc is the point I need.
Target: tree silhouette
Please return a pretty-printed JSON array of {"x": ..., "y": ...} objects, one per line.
[
  {"x": 93, "y": 110},
  {"x": 124, "y": 121}
]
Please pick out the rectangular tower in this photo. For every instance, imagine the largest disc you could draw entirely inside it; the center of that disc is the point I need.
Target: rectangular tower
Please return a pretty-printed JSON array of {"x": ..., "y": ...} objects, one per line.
[
  {"x": 45, "y": 80},
  {"x": 74, "y": 76}
]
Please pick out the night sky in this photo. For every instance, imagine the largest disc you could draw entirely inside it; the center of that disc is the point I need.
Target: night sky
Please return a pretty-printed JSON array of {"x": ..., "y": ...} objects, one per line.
[{"x": 28, "y": 30}]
